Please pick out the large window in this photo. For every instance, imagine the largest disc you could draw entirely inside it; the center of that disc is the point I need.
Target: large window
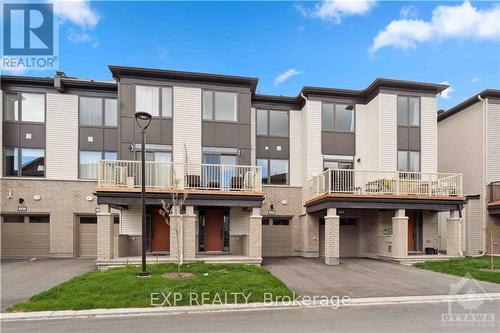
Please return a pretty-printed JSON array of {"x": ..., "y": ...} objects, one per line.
[
  {"x": 89, "y": 162},
  {"x": 337, "y": 117},
  {"x": 272, "y": 123},
  {"x": 408, "y": 111},
  {"x": 153, "y": 100},
  {"x": 96, "y": 111},
  {"x": 274, "y": 171},
  {"x": 409, "y": 161},
  {"x": 31, "y": 108},
  {"x": 220, "y": 106},
  {"x": 24, "y": 162}
]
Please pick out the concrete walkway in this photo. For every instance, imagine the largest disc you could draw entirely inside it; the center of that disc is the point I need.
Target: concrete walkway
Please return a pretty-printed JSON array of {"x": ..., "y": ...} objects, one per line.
[
  {"x": 359, "y": 277},
  {"x": 21, "y": 279}
]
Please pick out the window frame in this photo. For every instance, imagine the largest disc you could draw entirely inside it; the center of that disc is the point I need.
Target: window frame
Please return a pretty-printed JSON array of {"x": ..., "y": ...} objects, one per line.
[
  {"x": 42, "y": 216},
  {"x": 268, "y": 123},
  {"x": 20, "y": 107},
  {"x": 408, "y": 97},
  {"x": 334, "y": 125},
  {"x": 408, "y": 162},
  {"x": 160, "y": 99},
  {"x": 21, "y": 218},
  {"x": 19, "y": 162},
  {"x": 213, "y": 93},
  {"x": 103, "y": 111},
  {"x": 269, "y": 177},
  {"x": 102, "y": 158}
]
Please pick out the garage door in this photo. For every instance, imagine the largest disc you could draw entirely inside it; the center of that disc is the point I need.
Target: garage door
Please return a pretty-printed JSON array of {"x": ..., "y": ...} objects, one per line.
[
  {"x": 87, "y": 237},
  {"x": 276, "y": 238},
  {"x": 25, "y": 236},
  {"x": 349, "y": 238}
]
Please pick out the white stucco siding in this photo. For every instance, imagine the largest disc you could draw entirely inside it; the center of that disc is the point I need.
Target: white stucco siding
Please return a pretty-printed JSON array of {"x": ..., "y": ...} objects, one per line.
[
  {"x": 361, "y": 136},
  {"x": 187, "y": 125},
  {"x": 428, "y": 133},
  {"x": 372, "y": 161},
  {"x": 131, "y": 221},
  {"x": 239, "y": 221},
  {"x": 295, "y": 149},
  {"x": 460, "y": 147},
  {"x": 493, "y": 141},
  {"x": 388, "y": 131},
  {"x": 61, "y": 152}
]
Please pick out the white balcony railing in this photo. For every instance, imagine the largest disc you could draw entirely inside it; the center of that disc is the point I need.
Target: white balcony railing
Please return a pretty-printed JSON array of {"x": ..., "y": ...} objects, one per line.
[
  {"x": 361, "y": 182},
  {"x": 179, "y": 176}
]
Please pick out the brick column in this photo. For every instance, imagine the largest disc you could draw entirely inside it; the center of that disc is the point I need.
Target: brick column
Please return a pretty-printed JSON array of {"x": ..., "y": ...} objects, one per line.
[
  {"x": 175, "y": 218},
  {"x": 399, "y": 234},
  {"x": 189, "y": 233},
  {"x": 332, "y": 252},
  {"x": 105, "y": 234},
  {"x": 453, "y": 240},
  {"x": 255, "y": 235}
]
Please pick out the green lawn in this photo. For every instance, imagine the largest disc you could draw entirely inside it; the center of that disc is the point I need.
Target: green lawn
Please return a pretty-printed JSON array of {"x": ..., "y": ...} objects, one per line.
[
  {"x": 121, "y": 288},
  {"x": 471, "y": 265}
]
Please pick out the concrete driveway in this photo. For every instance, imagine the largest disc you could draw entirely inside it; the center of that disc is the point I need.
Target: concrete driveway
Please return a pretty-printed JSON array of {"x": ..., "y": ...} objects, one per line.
[
  {"x": 21, "y": 279},
  {"x": 359, "y": 277}
]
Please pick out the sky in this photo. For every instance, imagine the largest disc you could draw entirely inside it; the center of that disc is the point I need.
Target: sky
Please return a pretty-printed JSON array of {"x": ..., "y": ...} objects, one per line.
[{"x": 289, "y": 44}]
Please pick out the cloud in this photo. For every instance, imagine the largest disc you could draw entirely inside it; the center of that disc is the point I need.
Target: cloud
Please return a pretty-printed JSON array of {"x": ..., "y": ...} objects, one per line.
[
  {"x": 446, "y": 94},
  {"x": 285, "y": 76},
  {"x": 76, "y": 37},
  {"x": 162, "y": 53},
  {"x": 460, "y": 21},
  {"x": 408, "y": 11},
  {"x": 335, "y": 10},
  {"x": 77, "y": 12},
  {"x": 476, "y": 79}
]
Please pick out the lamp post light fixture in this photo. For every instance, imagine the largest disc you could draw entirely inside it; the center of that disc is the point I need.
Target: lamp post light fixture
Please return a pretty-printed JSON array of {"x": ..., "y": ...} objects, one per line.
[{"x": 143, "y": 119}]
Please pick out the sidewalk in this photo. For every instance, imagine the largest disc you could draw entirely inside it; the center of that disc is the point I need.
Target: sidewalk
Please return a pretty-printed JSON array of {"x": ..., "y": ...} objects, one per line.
[{"x": 373, "y": 301}]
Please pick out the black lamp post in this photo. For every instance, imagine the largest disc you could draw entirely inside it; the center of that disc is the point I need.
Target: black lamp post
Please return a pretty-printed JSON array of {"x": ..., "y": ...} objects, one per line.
[{"x": 143, "y": 119}]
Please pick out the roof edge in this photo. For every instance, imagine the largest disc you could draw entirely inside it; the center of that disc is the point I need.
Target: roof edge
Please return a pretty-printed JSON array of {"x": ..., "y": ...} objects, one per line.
[{"x": 487, "y": 93}]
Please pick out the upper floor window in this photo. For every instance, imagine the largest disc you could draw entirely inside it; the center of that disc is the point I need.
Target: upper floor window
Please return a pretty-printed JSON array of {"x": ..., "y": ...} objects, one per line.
[
  {"x": 89, "y": 162},
  {"x": 153, "y": 99},
  {"x": 409, "y": 161},
  {"x": 337, "y": 117},
  {"x": 272, "y": 123},
  {"x": 28, "y": 107},
  {"x": 91, "y": 111},
  {"x": 274, "y": 171},
  {"x": 220, "y": 106},
  {"x": 24, "y": 162},
  {"x": 408, "y": 111}
]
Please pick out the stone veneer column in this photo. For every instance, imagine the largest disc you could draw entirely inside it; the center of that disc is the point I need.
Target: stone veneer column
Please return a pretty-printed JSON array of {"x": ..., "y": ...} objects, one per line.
[
  {"x": 189, "y": 233},
  {"x": 174, "y": 220},
  {"x": 255, "y": 234},
  {"x": 105, "y": 234},
  {"x": 332, "y": 252},
  {"x": 399, "y": 234},
  {"x": 453, "y": 240}
]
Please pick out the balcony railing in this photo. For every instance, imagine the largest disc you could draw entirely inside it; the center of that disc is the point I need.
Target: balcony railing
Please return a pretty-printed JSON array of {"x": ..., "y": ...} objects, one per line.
[
  {"x": 360, "y": 182},
  {"x": 179, "y": 176},
  {"x": 494, "y": 191}
]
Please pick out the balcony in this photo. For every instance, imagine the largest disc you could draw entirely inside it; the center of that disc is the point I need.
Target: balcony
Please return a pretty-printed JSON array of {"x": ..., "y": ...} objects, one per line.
[
  {"x": 170, "y": 177},
  {"x": 345, "y": 182},
  {"x": 494, "y": 192}
]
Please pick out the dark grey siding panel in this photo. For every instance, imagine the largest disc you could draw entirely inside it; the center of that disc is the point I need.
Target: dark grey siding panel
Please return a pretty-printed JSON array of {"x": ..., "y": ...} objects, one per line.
[
  {"x": 244, "y": 108},
  {"x": 245, "y": 157},
  {"x": 10, "y": 135},
  {"x": 274, "y": 144},
  {"x": 414, "y": 138},
  {"x": 97, "y": 143},
  {"x": 128, "y": 129},
  {"x": 126, "y": 153},
  {"x": 111, "y": 139},
  {"x": 336, "y": 143},
  {"x": 226, "y": 135},
  {"x": 245, "y": 136},
  {"x": 167, "y": 134},
  {"x": 37, "y": 133},
  {"x": 403, "y": 135},
  {"x": 261, "y": 143},
  {"x": 127, "y": 103},
  {"x": 153, "y": 134},
  {"x": 207, "y": 133}
]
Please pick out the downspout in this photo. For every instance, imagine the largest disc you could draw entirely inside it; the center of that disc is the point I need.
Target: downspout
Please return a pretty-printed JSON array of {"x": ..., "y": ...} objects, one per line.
[{"x": 485, "y": 142}]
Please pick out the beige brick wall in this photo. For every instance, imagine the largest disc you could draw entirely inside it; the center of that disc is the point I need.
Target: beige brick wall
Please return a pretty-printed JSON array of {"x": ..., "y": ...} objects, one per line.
[
  {"x": 255, "y": 235},
  {"x": 430, "y": 226},
  {"x": 61, "y": 199}
]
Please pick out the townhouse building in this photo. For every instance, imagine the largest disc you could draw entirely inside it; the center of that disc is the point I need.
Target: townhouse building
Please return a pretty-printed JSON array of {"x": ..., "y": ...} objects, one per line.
[
  {"x": 329, "y": 173},
  {"x": 469, "y": 143}
]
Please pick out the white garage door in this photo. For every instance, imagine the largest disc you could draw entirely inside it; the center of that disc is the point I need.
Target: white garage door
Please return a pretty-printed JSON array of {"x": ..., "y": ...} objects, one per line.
[
  {"x": 276, "y": 237},
  {"x": 25, "y": 236}
]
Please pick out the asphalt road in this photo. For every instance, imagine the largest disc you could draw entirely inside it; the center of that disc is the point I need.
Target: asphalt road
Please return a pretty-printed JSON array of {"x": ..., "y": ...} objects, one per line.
[{"x": 393, "y": 318}]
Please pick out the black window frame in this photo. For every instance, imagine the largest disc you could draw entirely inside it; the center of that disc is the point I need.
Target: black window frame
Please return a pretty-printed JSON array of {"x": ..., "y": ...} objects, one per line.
[
  {"x": 213, "y": 93},
  {"x": 16, "y": 218},
  {"x": 87, "y": 219},
  {"x": 20, "y": 163},
  {"x": 20, "y": 107},
  {"x": 268, "y": 123},
  {"x": 42, "y": 218},
  {"x": 269, "y": 177},
  {"x": 103, "y": 112},
  {"x": 334, "y": 117}
]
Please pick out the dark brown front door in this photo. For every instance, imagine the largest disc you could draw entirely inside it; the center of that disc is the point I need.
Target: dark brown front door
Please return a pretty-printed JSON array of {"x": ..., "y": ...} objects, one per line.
[
  {"x": 411, "y": 230},
  {"x": 160, "y": 233},
  {"x": 214, "y": 220}
]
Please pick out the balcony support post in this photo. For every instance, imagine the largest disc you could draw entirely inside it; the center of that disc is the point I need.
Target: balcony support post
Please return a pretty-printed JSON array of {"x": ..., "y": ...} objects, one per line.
[{"x": 332, "y": 221}]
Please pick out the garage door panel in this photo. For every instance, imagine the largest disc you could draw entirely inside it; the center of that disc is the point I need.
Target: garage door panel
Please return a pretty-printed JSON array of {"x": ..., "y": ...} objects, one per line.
[
  {"x": 349, "y": 241},
  {"x": 276, "y": 240},
  {"x": 25, "y": 239},
  {"x": 87, "y": 240}
]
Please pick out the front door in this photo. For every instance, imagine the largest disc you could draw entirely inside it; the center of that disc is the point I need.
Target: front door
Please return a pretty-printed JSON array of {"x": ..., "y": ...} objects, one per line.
[
  {"x": 160, "y": 233},
  {"x": 411, "y": 230},
  {"x": 214, "y": 222}
]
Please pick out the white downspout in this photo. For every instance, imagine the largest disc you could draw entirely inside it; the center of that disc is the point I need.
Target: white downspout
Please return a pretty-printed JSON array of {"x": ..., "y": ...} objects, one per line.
[{"x": 484, "y": 171}]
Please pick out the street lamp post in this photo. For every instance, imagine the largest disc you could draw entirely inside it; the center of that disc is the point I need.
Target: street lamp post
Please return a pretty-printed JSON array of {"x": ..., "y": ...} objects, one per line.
[{"x": 143, "y": 119}]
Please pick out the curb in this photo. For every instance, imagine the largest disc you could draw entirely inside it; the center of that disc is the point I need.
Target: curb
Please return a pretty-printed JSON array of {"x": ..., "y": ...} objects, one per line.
[{"x": 210, "y": 308}]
